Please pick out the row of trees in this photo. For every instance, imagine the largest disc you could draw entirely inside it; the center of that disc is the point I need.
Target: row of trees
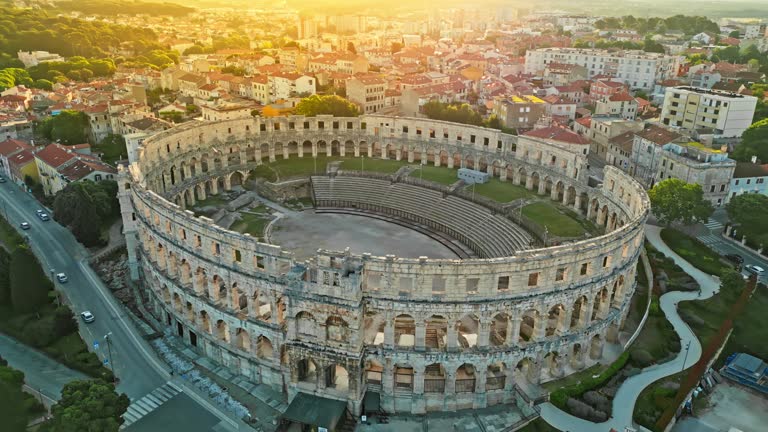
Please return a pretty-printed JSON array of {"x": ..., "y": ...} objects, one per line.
[
  {"x": 17, "y": 407},
  {"x": 326, "y": 104},
  {"x": 648, "y": 45},
  {"x": 690, "y": 25},
  {"x": 115, "y": 7},
  {"x": 464, "y": 114}
]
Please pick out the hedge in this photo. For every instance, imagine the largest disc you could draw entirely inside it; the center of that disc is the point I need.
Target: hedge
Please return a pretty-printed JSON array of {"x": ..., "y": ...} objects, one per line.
[{"x": 560, "y": 397}]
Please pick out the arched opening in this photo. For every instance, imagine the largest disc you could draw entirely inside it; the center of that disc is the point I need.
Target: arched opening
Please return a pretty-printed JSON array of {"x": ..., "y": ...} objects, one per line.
[
  {"x": 496, "y": 376},
  {"x": 349, "y": 148},
  {"x": 166, "y": 294},
  {"x": 264, "y": 348},
  {"x": 465, "y": 378},
  {"x": 596, "y": 347},
  {"x": 534, "y": 181},
  {"x": 467, "y": 329},
  {"x": 177, "y": 305},
  {"x": 239, "y": 299},
  {"x": 336, "y": 329},
  {"x": 577, "y": 357},
  {"x": 219, "y": 288},
  {"x": 205, "y": 322},
  {"x": 236, "y": 179},
  {"x": 262, "y": 306},
  {"x": 193, "y": 167},
  {"x": 579, "y": 314},
  {"x": 337, "y": 377},
  {"x": 436, "y": 332},
  {"x": 173, "y": 175},
  {"x": 335, "y": 150},
  {"x": 201, "y": 281},
  {"x": 204, "y": 163},
  {"x": 600, "y": 307},
  {"x": 405, "y": 331},
  {"x": 307, "y": 370},
  {"x": 306, "y": 148},
  {"x": 293, "y": 148},
  {"x": 499, "y": 329},
  {"x": 528, "y": 324},
  {"x": 556, "y": 320},
  {"x": 279, "y": 154},
  {"x": 222, "y": 330},
  {"x": 552, "y": 364},
  {"x": 434, "y": 378},
  {"x": 190, "y": 312},
  {"x": 264, "y": 150},
  {"x": 526, "y": 370}
]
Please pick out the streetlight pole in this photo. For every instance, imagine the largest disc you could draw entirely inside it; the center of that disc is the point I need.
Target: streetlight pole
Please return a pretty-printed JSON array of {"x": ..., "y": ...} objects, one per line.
[
  {"x": 109, "y": 353},
  {"x": 687, "y": 348}
]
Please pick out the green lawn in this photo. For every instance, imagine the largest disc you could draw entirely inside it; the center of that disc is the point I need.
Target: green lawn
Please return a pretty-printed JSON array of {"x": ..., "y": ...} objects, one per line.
[
  {"x": 655, "y": 398},
  {"x": 557, "y": 221},
  {"x": 112, "y": 152},
  {"x": 538, "y": 425},
  {"x": 252, "y": 224},
  {"x": 387, "y": 166},
  {"x": 693, "y": 251},
  {"x": 501, "y": 191},
  {"x": 442, "y": 175}
]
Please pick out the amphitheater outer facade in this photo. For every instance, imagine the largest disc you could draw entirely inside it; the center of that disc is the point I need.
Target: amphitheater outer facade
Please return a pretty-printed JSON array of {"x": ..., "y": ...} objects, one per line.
[{"x": 427, "y": 334}]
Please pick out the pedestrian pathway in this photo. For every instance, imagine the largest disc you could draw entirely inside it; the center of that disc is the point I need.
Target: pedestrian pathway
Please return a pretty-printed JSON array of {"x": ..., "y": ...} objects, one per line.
[
  {"x": 624, "y": 401},
  {"x": 150, "y": 402},
  {"x": 41, "y": 373}
]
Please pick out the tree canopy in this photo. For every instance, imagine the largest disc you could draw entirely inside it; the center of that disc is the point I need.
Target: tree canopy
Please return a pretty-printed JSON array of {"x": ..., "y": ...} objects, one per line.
[
  {"x": 85, "y": 206},
  {"x": 674, "y": 200},
  {"x": 754, "y": 142},
  {"x": 15, "y": 405},
  {"x": 690, "y": 25},
  {"x": 327, "y": 104},
  {"x": 92, "y": 405},
  {"x": 453, "y": 112},
  {"x": 29, "y": 285},
  {"x": 115, "y": 7},
  {"x": 749, "y": 210},
  {"x": 68, "y": 127}
]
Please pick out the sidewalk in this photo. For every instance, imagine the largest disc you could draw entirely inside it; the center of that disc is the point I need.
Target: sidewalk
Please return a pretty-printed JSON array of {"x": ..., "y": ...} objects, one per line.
[
  {"x": 41, "y": 373},
  {"x": 624, "y": 401}
]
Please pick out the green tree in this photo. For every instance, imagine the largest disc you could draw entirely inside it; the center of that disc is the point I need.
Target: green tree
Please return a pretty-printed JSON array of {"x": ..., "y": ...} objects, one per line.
[
  {"x": 89, "y": 406},
  {"x": 84, "y": 207},
  {"x": 326, "y": 104},
  {"x": 754, "y": 142},
  {"x": 43, "y": 84},
  {"x": 5, "y": 279},
  {"x": 12, "y": 410},
  {"x": 731, "y": 281},
  {"x": 68, "y": 127},
  {"x": 674, "y": 200},
  {"x": 734, "y": 34},
  {"x": 29, "y": 285},
  {"x": 749, "y": 210}
]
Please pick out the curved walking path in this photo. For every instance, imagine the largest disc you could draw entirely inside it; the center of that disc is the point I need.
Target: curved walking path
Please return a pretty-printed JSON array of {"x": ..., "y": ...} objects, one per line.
[{"x": 624, "y": 401}]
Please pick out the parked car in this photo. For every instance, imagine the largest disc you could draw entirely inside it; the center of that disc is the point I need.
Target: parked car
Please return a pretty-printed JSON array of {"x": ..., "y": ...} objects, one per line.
[
  {"x": 87, "y": 316},
  {"x": 25, "y": 226},
  {"x": 62, "y": 278},
  {"x": 756, "y": 270},
  {"x": 738, "y": 260}
]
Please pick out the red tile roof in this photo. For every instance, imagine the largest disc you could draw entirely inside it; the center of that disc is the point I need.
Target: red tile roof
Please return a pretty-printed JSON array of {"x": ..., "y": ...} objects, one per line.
[
  {"x": 54, "y": 155},
  {"x": 558, "y": 134},
  {"x": 12, "y": 146}
]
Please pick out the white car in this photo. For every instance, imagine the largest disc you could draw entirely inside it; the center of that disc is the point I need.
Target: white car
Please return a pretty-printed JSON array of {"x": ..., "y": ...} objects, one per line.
[
  {"x": 61, "y": 277},
  {"x": 756, "y": 270},
  {"x": 87, "y": 316},
  {"x": 25, "y": 225},
  {"x": 44, "y": 216}
]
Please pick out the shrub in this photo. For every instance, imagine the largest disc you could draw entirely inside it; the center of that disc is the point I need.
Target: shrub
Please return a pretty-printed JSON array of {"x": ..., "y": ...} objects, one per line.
[
  {"x": 560, "y": 397},
  {"x": 641, "y": 358}
]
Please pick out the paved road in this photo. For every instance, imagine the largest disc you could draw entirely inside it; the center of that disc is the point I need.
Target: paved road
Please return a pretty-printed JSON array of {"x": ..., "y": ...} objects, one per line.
[
  {"x": 139, "y": 370},
  {"x": 41, "y": 373},
  {"x": 710, "y": 235},
  {"x": 624, "y": 401}
]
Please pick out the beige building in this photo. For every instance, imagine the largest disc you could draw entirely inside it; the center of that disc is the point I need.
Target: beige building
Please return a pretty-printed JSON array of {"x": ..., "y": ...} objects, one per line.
[
  {"x": 698, "y": 164},
  {"x": 60, "y": 165},
  {"x": 519, "y": 112},
  {"x": 691, "y": 108},
  {"x": 369, "y": 93}
]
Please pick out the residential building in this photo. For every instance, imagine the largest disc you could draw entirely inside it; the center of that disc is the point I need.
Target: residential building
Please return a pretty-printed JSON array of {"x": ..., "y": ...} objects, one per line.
[
  {"x": 519, "y": 112},
  {"x": 704, "y": 78},
  {"x": 749, "y": 177},
  {"x": 34, "y": 58},
  {"x": 647, "y": 148},
  {"x": 691, "y": 108},
  {"x": 619, "y": 152},
  {"x": 561, "y": 74},
  {"x": 22, "y": 166},
  {"x": 227, "y": 111},
  {"x": 60, "y": 165},
  {"x": 602, "y": 129},
  {"x": 604, "y": 88},
  {"x": 368, "y": 93},
  {"x": 621, "y": 105},
  {"x": 413, "y": 99},
  {"x": 285, "y": 85},
  {"x": 558, "y": 107},
  {"x": 99, "y": 124},
  {"x": 696, "y": 163},
  {"x": 754, "y": 31},
  {"x": 8, "y": 149},
  {"x": 638, "y": 69}
]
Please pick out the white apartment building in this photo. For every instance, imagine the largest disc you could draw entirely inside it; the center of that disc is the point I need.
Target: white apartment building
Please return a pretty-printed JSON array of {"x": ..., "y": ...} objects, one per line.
[
  {"x": 692, "y": 108},
  {"x": 285, "y": 85},
  {"x": 638, "y": 69},
  {"x": 34, "y": 58}
]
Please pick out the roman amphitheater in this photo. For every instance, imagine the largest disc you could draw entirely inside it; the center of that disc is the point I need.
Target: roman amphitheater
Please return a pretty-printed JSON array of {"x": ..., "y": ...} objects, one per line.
[{"x": 508, "y": 304}]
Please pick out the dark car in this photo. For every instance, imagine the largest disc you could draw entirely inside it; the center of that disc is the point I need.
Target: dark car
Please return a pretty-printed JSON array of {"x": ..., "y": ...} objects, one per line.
[{"x": 738, "y": 260}]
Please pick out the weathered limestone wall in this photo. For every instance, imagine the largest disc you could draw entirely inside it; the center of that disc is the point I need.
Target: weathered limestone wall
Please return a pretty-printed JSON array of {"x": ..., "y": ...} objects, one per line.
[{"x": 429, "y": 334}]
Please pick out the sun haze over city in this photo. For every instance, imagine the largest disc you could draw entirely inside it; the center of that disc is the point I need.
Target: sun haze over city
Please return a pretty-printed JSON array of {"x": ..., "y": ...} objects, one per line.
[{"x": 383, "y": 216}]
